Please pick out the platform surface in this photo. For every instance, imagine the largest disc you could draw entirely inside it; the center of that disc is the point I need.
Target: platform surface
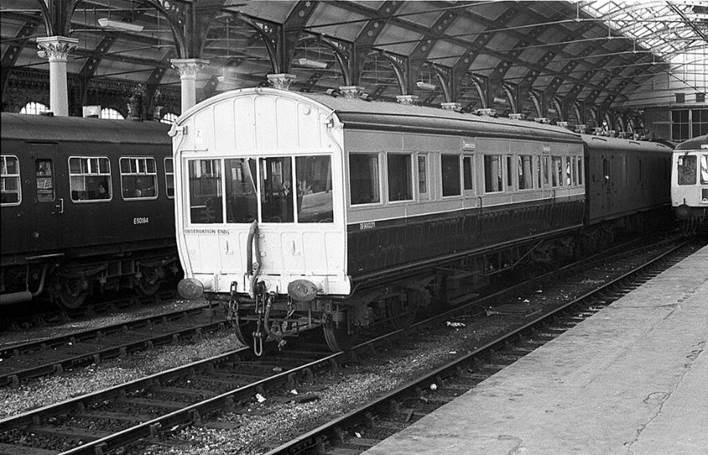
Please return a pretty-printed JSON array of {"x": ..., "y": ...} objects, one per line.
[{"x": 631, "y": 379}]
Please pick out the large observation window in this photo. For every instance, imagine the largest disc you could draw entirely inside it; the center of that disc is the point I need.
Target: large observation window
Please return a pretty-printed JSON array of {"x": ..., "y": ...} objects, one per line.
[
  {"x": 276, "y": 190},
  {"x": 205, "y": 191},
  {"x": 314, "y": 189},
  {"x": 704, "y": 169}
]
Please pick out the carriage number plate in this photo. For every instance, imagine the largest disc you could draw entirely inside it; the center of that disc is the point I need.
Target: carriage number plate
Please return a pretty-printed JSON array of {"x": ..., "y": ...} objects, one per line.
[
  {"x": 367, "y": 225},
  {"x": 141, "y": 220}
]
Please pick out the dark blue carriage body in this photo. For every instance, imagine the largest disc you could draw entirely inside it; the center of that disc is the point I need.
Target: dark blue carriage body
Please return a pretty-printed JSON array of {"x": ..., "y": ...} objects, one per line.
[{"x": 50, "y": 222}]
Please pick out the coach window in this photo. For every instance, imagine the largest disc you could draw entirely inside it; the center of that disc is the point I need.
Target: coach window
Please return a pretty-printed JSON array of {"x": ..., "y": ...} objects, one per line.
[
  {"x": 138, "y": 178},
  {"x": 364, "y": 178},
  {"x": 509, "y": 174},
  {"x": 450, "y": 175},
  {"x": 400, "y": 182},
  {"x": 492, "y": 173},
  {"x": 169, "y": 178},
  {"x": 10, "y": 178},
  {"x": 423, "y": 176},
  {"x": 580, "y": 170},
  {"x": 276, "y": 190},
  {"x": 90, "y": 179},
  {"x": 314, "y": 189},
  {"x": 44, "y": 177},
  {"x": 241, "y": 192},
  {"x": 467, "y": 173},
  {"x": 525, "y": 164},
  {"x": 569, "y": 180},
  {"x": 557, "y": 170},
  {"x": 205, "y": 205}
]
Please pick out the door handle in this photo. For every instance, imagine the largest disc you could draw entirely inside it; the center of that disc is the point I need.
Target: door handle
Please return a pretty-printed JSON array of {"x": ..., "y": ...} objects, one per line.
[{"x": 59, "y": 206}]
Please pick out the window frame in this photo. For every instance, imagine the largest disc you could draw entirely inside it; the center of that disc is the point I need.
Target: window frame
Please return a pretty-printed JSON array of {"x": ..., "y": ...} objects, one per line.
[
  {"x": 459, "y": 176},
  {"x": 465, "y": 190},
  {"x": 154, "y": 174},
  {"x": 19, "y": 181},
  {"x": 388, "y": 181},
  {"x": 379, "y": 177},
  {"x": 52, "y": 176},
  {"x": 501, "y": 165},
  {"x": 164, "y": 163},
  {"x": 426, "y": 195},
  {"x": 520, "y": 161},
  {"x": 109, "y": 174}
]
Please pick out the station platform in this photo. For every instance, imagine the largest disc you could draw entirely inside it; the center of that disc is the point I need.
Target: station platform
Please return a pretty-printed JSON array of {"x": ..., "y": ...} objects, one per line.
[{"x": 631, "y": 379}]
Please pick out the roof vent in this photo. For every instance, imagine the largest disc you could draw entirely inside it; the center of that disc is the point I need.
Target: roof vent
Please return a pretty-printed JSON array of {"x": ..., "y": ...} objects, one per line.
[
  {"x": 563, "y": 124},
  {"x": 281, "y": 81},
  {"x": 580, "y": 128},
  {"x": 407, "y": 99},
  {"x": 351, "y": 91},
  {"x": 457, "y": 107},
  {"x": 486, "y": 112},
  {"x": 542, "y": 120},
  {"x": 517, "y": 116}
]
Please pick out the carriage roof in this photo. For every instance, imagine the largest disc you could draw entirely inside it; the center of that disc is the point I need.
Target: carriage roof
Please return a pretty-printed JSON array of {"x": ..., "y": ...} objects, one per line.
[
  {"x": 77, "y": 129},
  {"x": 694, "y": 144}
]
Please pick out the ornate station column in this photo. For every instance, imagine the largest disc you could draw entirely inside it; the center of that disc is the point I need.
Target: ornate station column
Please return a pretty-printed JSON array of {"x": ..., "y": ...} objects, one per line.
[
  {"x": 56, "y": 49},
  {"x": 188, "y": 69}
]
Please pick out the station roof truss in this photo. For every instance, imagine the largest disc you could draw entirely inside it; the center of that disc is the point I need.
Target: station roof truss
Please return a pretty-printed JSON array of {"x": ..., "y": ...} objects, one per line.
[{"x": 477, "y": 53}]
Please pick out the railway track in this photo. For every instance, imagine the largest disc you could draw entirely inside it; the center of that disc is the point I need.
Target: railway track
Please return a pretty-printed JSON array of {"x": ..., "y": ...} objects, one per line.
[
  {"x": 366, "y": 426},
  {"x": 142, "y": 409},
  {"x": 23, "y": 361}
]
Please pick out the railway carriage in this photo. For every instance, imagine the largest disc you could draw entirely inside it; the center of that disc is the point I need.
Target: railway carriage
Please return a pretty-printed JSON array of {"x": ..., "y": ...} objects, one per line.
[
  {"x": 689, "y": 184},
  {"x": 312, "y": 210},
  {"x": 86, "y": 206}
]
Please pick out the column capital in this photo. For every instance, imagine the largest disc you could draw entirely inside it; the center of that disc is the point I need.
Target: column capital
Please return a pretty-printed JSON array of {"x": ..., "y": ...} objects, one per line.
[
  {"x": 407, "y": 99},
  {"x": 281, "y": 80},
  {"x": 56, "y": 48},
  {"x": 188, "y": 67},
  {"x": 452, "y": 106},
  {"x": 352, "y": 91}
]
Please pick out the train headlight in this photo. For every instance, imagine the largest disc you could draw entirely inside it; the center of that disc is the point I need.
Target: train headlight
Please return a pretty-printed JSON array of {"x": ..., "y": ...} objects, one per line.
[
  {"x": 302, "y": 290},
  {"x": 190, "y": 289}
]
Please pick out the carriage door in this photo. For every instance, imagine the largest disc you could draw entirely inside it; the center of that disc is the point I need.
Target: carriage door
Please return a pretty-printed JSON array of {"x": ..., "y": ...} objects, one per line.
[
  {"x": 48, "y": 184},
  {"x": 607, "y": 183}
]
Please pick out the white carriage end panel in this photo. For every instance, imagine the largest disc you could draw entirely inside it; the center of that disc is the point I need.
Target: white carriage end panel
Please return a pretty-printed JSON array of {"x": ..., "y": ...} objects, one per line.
[
  {"x": 288, "y": 130},
  {"x": 244, "y": 124},
  {"x": 224, "y": 121},
  {"x": 203, "y": 129},
  {"x": 204, "y": 254},
  {"x": 310, "y": 122},
  {"x": 233, "y": 245},
  {"x": 266, "y": 122}
]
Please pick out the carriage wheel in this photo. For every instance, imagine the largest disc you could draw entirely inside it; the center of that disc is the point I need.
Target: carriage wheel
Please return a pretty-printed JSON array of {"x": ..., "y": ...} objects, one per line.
[
  {"x": 149, "y": 282},
  {"x": 72, "y": 294},
  {"x": 400, "y": 313},
  {"x": 337, "y": 338}
]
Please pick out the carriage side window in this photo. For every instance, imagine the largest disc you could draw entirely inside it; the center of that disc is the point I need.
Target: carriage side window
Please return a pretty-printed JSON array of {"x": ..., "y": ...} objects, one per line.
[
  {"x": 276, "y": 190},
  {"x": 557, "y": 170},
  {"x": 241, "y": 192},
  {"x": 138, "y": 178},
  {"x": 11, "y": 193},
  {"x": 509, "y": 173},
  {"x": 546, "y": 177},
  {"x": 400, "y": 182},
  {"x": 450, "y": 175},
  {"x": 423, "y": 176},
  {"x": 687, "y": 170},
  {"x": 704, "y": 169},
  {"x": 89, "y": 178},
  {"x": 205, "y": 206},
  {"x": 169, "y": 178},
  {"x": 569, "y": 180},
  {"x": 580, "y": 170},
  {"x": 467, "y": 174},
  {"x": 314, "y": 189},
  {"x": 525, "y": 164},
  {"x": 44, "y": 176},
  {"x": 492, "y": 173},
  {"x": 364, "y": 178}
]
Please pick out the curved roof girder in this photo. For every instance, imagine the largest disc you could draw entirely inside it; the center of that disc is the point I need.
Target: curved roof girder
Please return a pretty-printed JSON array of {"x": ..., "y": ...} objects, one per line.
[{"x": 12, "y": 53}]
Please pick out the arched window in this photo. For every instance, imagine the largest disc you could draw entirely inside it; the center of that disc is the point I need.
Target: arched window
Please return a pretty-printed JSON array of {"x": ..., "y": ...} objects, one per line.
[
  {"x": 111, "y": 113},
  {"x": 170, "y": 117},
  {"x": 34, "y": 108}
]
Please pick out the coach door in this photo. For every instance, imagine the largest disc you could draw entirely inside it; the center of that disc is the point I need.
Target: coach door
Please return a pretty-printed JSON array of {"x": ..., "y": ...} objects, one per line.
[
  {"x": 608, "y": 183},
  {"x": 48, "y": 184}
]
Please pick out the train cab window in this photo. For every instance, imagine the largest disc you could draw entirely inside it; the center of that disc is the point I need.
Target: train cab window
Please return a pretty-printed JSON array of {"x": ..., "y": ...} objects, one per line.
[
  {"x": 557, "y": 171},
  {"x": 364, "y": 178},
  {"x": 580, "y": 169},
  {"x": 276, "y": 190},
  {"x": 44, "y": 177},
  {"x": 467, "y": 174},
  {"x": 525, "y": 165},
  {"x": 423, "y": 176},
  {"x": 138, "y": 178},
  {"x": 493, "y": 178},
  {"x": 11, "y": 193},
  {"x": 169, "y": 178},
  {"x": 89, "y": 179},
  {"x": 686, "y": 167},
  {"x": 241, "y": 192},
  {"x": 400, "y": 182},
  {"x": 314, "y": 189},
  {"x": 205, "y": 206},
  {"x": 704, "y": 169},
  {"x": 450, "y": 175}
]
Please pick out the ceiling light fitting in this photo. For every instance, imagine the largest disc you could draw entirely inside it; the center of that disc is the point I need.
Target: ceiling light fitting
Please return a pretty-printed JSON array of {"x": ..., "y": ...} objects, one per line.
[
  {"x": 306, "y": 62},
  {"x": 104, "y": 22},
  {"x": 425, "y": 85}
]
